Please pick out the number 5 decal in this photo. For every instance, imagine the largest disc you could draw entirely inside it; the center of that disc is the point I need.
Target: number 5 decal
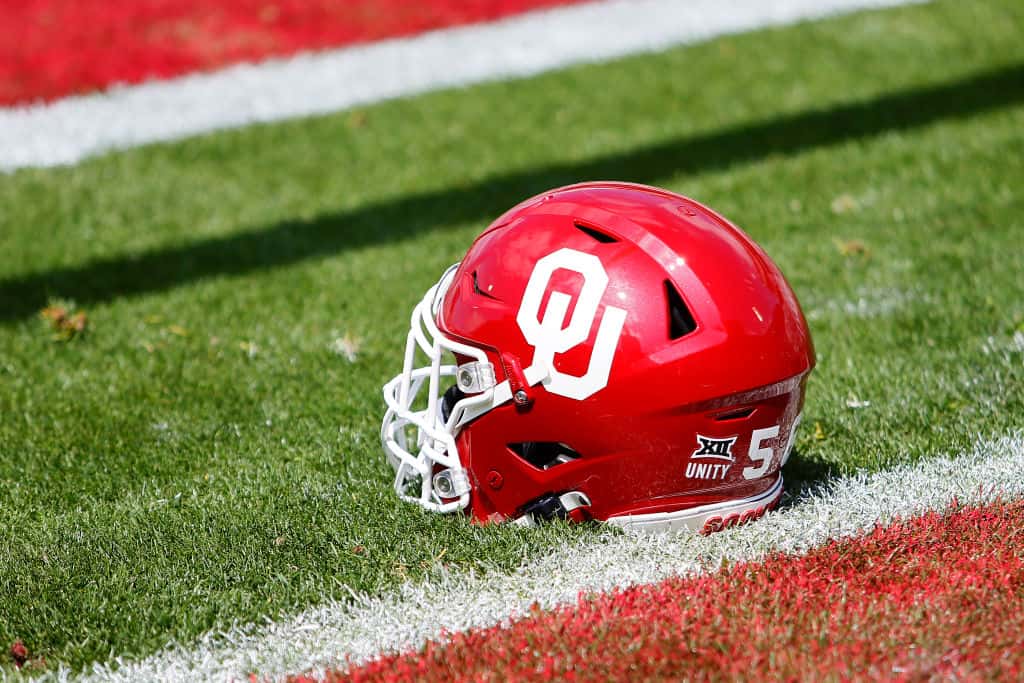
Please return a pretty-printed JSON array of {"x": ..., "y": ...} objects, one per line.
[
  {"x": 763, "y": 456},
  {"x": 758, "y": 454},
  {"x": 548, "y": 337}
]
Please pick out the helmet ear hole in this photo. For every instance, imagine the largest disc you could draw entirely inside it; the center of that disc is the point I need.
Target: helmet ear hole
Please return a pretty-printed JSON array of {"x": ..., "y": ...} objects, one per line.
[
  {"x": 544, "y": 454},
  {"x": 448, "y": 401}
]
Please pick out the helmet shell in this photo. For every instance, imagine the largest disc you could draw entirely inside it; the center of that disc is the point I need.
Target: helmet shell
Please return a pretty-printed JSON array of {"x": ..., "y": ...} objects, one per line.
[{"x": 712, "y": 349}]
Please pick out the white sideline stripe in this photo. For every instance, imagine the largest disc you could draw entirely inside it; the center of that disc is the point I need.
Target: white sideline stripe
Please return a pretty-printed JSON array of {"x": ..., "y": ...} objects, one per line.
[
  {"x": 321, "y": 637},
  {"x": 69, "y": 130}
]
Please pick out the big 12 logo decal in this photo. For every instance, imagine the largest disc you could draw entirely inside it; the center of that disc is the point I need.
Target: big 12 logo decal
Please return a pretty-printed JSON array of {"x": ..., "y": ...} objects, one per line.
[
  {"x": 548, "y": 337},
  {"x": 760, "y": 453}
]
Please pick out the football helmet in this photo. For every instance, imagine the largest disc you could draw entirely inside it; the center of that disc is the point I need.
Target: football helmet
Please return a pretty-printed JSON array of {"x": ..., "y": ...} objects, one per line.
[{"x": 604, "y": 351}]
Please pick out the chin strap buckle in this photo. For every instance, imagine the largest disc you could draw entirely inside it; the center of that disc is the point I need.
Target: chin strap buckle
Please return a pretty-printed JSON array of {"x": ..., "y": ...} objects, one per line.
[{"x": 570, "y": 505}]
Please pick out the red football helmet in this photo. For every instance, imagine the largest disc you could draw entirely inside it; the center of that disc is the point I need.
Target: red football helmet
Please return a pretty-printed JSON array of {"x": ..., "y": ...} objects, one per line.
[{"x": 615, "y": 352}]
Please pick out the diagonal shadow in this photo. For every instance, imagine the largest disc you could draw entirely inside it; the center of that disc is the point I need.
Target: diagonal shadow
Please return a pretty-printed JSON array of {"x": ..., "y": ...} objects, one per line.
[{"x": 294, "y": 241}]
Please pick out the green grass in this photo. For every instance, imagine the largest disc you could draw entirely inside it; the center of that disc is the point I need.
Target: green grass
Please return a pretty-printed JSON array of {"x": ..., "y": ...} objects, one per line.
[{"x": 202, "y": 456}]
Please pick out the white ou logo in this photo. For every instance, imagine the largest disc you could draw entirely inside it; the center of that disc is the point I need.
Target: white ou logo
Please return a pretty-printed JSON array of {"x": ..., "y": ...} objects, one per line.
[{"x": 547, "y": 335}]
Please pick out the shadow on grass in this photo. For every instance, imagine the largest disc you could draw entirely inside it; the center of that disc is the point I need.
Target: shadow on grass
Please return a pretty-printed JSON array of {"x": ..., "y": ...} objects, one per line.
[
  {"x": 802, "y": 473},
  {"x": 294, "y": 241}
]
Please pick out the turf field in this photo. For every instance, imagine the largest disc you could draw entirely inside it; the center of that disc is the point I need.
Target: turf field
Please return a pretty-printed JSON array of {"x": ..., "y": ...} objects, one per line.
[{"x": 205, "y": 452}]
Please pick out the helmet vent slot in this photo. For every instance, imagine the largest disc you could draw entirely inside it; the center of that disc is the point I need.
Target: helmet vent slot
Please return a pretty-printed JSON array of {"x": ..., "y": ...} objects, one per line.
[
  {"x": 477, "y": 290},
  {"x": 602, "y": 237},
  {"x": 738, "y": 414},
  {"x": 544, "y": 454},
  {"x": 680, "y": 320}
]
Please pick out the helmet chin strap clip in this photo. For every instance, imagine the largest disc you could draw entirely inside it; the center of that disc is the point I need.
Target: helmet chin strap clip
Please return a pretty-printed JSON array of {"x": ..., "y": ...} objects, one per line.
[
  {"x": 569, "y": 505},
  {"x": 522, "y": 396}
]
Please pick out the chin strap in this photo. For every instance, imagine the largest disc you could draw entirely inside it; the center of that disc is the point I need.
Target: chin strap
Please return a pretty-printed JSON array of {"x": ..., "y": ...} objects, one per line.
[{"x": 570, "y": 505}]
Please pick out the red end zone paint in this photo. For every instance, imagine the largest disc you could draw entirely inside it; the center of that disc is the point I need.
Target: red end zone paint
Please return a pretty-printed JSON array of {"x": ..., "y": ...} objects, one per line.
[
  {"x": 52, "y": 48},
  {"x": 941, "y": 595}
]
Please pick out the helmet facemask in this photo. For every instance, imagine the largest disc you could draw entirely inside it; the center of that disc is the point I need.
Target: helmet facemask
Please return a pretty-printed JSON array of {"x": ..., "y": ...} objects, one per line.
[{"x": 424, "y": 416}]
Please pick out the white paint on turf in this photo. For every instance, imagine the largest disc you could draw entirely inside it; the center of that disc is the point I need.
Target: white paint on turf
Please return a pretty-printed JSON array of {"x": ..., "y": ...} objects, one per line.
[
  {"x": 72, "y": 129},
  {"x": 325, "y": 636},
  {"x": 867, "y": 302}
]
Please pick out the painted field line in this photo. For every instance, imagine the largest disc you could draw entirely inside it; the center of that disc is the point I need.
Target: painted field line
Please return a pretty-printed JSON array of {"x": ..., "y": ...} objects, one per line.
[
  {"x": 868, "y": 302},
  {"x": 935, "y": 596},
  {"x": 68, "y": 130},
  {"x": 53, "y": 48},
  {"x": 334, "y": 634}
]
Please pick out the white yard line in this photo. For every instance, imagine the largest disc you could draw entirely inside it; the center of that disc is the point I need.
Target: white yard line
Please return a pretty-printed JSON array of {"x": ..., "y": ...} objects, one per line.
[
  {"x": 324, "y": 636},
  {"x": 72, "y": 129}
]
